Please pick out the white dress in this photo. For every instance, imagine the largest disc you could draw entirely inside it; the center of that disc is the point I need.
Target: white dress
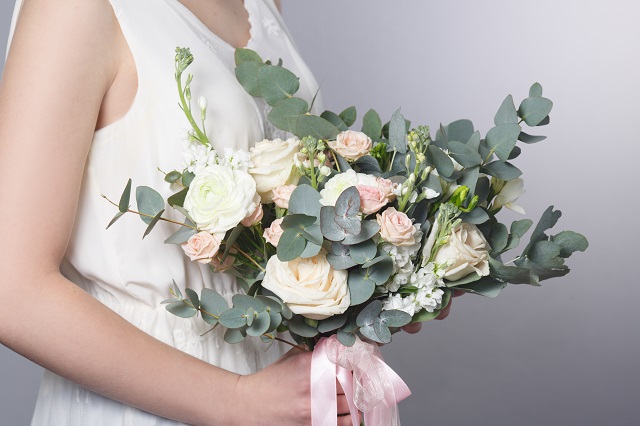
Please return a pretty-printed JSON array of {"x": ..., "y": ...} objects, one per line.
[{"x": 130, "y": 275}]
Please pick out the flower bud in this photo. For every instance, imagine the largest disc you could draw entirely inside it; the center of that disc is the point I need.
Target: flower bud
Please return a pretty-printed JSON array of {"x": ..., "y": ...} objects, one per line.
[
  {"x": 407, "y": 161},
  {"x": 325, "y": 171},
  {"x": 202, "y": 103}
]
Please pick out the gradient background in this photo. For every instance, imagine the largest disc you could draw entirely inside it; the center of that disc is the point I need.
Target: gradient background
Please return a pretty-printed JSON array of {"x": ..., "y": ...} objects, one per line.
[{"x": 563, "y": 354}]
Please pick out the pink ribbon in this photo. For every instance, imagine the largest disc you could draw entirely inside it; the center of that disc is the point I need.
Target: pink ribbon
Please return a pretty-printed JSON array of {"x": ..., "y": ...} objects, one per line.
[{"x": 370, "y": 385}]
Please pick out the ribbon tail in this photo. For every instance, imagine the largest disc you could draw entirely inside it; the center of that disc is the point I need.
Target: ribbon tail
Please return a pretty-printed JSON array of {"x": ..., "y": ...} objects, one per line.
[
  {"x": 345, "y": 377},
  {"x": 324, "y": 407}
]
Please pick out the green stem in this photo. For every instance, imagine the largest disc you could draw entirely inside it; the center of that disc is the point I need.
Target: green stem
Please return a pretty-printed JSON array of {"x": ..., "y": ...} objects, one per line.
[
  {"x": 186, "y": 108},
  {"x": 150, "y": 216}
]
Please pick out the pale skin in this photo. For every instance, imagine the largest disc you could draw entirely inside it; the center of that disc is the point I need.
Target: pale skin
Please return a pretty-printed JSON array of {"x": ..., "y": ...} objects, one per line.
[{"x": 69, "y": 73}]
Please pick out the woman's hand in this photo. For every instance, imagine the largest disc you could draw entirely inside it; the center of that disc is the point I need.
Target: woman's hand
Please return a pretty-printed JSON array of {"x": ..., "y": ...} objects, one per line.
[{"x": 281, "y": 393}]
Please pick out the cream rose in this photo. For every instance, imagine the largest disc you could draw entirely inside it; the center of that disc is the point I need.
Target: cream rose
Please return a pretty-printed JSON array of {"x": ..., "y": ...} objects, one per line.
[
  {"x": 202, "y": 247},
  {"x": 273, "y": 233},
  {"x": 273, "y": 165},
  {"x": 282, "y": 194},
  {"x": 464, "y": 253},
  {"x": 372, "y": 198},
  {"x": 396, "y": 227},
  {"x": 310, "y": 287},
  {"x": 351, "y": 145},
  {"x": 219, "y": 198}
]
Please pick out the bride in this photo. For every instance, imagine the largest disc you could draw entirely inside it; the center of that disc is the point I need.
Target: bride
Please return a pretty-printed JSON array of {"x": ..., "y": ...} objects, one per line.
[{"x": 87, "y": 100}]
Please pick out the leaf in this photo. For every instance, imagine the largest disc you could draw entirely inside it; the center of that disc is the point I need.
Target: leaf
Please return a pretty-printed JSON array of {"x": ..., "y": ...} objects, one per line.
[
  {"x": 534, "y": 110},
  {"x": 507, "y": 113},
  {"x": 487, "y": 287},
  {"x": 382, "y": 331},
  {"x": 368, "y": 315},
  {"x": 440, "y": 160},
  {"x": 305, "y": 200},
  {"x": 182, "y": 235},
  {"x": 317, "y": 127},
  {"x": 213, "y": 303},
  {"x": 181, "y": 309},
  {"x": 372, "y": 125},
  {"x": 247, "y": 55},
  {"x": 502, "y": 170},
  {"x": 339, "y": 258},
  {"x": 346, "y": 211},
  {"x": 381, "y": 271},
  {"x": 368, "y": 229},
  {"x": 476, "y": 216},
  {"x": 464, "y": 154},
  {"x": 332, "y": 323},
  {"x": 176, "y": 290},
  {"x": 310, "y": 250},
  {"x": 423, "y": 315},
  {"x": 363, "y": 252},
  {"x": 347, "y": 339},
  {"x": 397, "y": 133},
  {"x": 291, "y": 245},
  {"x": 334, "y": 119},
  {"x": 369, "y": 333},
  {"x": 193, "y": 297},
  {"x": 247, "y": 75},
  {"x": 260, "y": 324},
  {"x": 570, "y": 242},
  {"x": 548, "y": 220},
  {"x": 498, "y": 238},
  {"x": 535, "y": 90},
  {"x": 341, "y": 162},
  {"x": 361, "y": 288},
  {"x": 177, "y": 199},
  {"x": 472, "y": 277},
  {"x": 502, "y": 138},
  {"x": 470, "y": 180},
  {"x": 530, "y": 138},
  {"x": 518, "y": 229},
  {"x": 459, "y": 130},
  {"x": 187, "y": 178},
  {"x": 330, "y": 229},
  {"x": 284, "y": 114},
  {"x": 368, "y": 165},
  {"x": 231, "y": 240},
  {"x": 546, "y": 254},
  {"x": 115, "y": 218},
  {"x": 149, "y": 202},
  {"x": 511, "y": 274},
  {"x": 395, "y": 318},
  {"x": 245, "y": 302},
  {"x": 233, "y": 336},
  {"x": 153, "y": 223},
  {"x": 297, "y": 220},
  {"x": 349, "y": 116},
  {"x": 233, "y": 318},
  {"x": 276, "y": 83},
  {"x": 173, "y": 176},
  {"x": 298, "y": 326},
  {"x": 125, "y": 198}
]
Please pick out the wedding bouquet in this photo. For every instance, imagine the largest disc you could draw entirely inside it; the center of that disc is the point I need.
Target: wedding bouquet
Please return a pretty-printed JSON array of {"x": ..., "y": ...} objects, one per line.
[{"x": 341, "y": 234}]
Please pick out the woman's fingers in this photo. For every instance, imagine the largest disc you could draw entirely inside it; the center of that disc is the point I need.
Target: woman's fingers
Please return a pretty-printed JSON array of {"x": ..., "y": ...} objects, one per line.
[
  {"x": 345, "y": 421},
  {"x": 412, "y": 328},
  {"x": 343, "y": 405}
]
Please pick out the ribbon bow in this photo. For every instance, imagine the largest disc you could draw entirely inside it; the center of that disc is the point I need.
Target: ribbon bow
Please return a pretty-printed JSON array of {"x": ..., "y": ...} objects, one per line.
[{"x": 370, "y": 385}]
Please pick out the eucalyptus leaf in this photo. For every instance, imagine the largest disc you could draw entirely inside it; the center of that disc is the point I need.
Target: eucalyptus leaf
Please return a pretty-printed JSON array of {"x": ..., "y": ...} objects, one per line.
[
  {"x": 397, "y": 133},
  {"x": 276, "y": 83},
  {"x": 361, "y": 288},
  {"x": 546, "y": 254},
  {"x": 548, "y": 220},
  {"x": 487, "y": 287},
  {"x": 231, "y": 240},
  {"x": 381, "y": 271},
  {"x": 334, "y": 119},
  {"x": 372, "y": 125},
  {"x": 291, "y": 245},
  {"x": 233, "y": 336},
  {"x": 502, "y": 170},
  {"x": 260, "y": 324},
  {"x": 440, "y": 160},
  {"x": 470, "y": 180},
  {"x": 125, "y": 198},
  {"x": 368, "y": 229},
  {"x": 330, "y": 229},
  {"x": 340, "y": 262},
  {"x": 368, "y": 165},
  {"x": 368, "y": 315},
  {"x": 115, "y": 219},
  {"x": 314, "y": 126},
  {"x": 182, "y": 235},
  {"x": 395, "y": 318},
  {"x": 178, "y": 198},
  {"x": 570, "y": 242},
  {"x": 332, "y": 323},
  {"x": 382, "y": 331},
  {"x": 423, "y": 315},
  {"x": 297, "y": 220},
  {"x": 498, "y": 238},
  {"x": 193, "y": 297},
  {"x": 247, "y": 75},
  {"x": 173, "y": 176},
  {"x": 507, "y": 112},
  {"x": 247, "y": 55},
  {"x": 376, "y": 260},
  {"x": 534, "y": 110},
  {"x": 153, "y": 223},
  {"x": 475, "y": 216},
  {"x": 363, "y": 252},
  {"x": 150, "y": 202},
  {"x": 515, "y": 152},
  {"x": 305, "y": 200},
  {"x": 298, "y": 326},
  {"x": 187, "y": 178},
  {"x": 349, "y": 116},
  {"x": 310, "y": 250},
  {"x": 347, "y": 339},
  {"x": 342, "y": 163},
  {"x": 535, "y": 90},
  {"x": 284, "y": 114},
  {"x": 272, "y": 304},
  {"x": 233, "y": 318},
  {"x": 472, "y": 277},
  {"x": 518, "y": 229},
  {"x": 530, "y": 138},
  {"x": 502, "y": 138},
  {"x": 369, "y": 333},
  {"x": 212, "y": 305},
  {"x": 176, "y": 289},
  {"x": 464, "y": 154},
  {"x": 245, "y": 302},
  {"x": 181, "y": 309}
]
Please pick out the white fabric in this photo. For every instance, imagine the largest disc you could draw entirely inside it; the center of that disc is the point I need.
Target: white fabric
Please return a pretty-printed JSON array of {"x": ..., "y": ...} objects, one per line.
[{"x": 130, "y": 275}]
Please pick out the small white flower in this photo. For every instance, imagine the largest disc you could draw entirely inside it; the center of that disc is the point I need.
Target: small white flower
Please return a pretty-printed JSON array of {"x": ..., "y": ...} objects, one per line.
[
  {"x": 325, "y": 171},
  {"x": 400, "y": 303},
  {"x": 429, "y": 193},
  {"x": 202, "y": 103}
]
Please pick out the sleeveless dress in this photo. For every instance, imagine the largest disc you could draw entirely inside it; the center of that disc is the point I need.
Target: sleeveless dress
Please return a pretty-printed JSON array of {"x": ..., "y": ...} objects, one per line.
[{"x": 130, "y": 275}]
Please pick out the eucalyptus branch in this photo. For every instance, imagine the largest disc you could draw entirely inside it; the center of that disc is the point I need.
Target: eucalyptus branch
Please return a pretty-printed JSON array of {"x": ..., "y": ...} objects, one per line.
[
  {"x": 235, "y": 246},
  {"x": 150, "y": 216}
]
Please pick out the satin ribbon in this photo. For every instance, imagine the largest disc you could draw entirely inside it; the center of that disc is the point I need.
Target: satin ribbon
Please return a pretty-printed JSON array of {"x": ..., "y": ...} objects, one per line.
[{"x": 370, "y": 385}]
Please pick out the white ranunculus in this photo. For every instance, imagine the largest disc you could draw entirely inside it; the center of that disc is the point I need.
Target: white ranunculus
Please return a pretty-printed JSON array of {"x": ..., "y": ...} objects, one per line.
[
  {"x": 509, "y": 194},
  {"x": 274, "y": 165},
  {"x": 310, "y": 287},
  {"x": 334, "y": 186},
  {"x": 219, "y": 198},
  {"x": 465, "y": 252}
]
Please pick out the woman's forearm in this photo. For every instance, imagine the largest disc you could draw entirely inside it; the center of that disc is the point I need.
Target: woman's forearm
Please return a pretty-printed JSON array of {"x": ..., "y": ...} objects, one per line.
[{"x": 70, "y": 333}]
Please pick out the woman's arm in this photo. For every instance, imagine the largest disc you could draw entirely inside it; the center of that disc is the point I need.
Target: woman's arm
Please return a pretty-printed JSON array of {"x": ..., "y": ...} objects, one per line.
[{"x": 62, "y": 63}]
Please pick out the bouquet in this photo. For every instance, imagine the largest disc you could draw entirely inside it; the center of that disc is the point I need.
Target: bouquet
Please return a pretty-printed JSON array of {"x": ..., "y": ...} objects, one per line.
[{"x": 341, "y": 237}]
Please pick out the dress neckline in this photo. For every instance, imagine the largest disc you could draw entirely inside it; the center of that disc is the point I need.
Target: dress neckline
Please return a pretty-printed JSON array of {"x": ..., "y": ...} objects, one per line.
[{"x": 248, "y": 6}]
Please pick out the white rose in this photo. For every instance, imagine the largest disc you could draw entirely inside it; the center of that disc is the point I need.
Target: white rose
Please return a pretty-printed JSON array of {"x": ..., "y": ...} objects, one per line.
[
  {"x": 274, "y": 165},
  {"x": 334, "y": 186},
  {"x": 219, "y": 198},
  {"x": 464, "y": 253},
  {"x": 310, "y": 287}
]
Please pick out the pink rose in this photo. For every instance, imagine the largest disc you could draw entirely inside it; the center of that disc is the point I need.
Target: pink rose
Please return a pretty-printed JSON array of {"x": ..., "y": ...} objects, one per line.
[
  {"x": 388, "y": 188},
  {"x": 372, "y": 198},
  {"x": 273, "y": 233},
  {"x": 254, "y": 217},
  {"x": 219, "y": 266},
  {"x": 396, "y": 227},
  {"x": 202, "y": 247},
  {"x": 282, "y": 194},
  {"x": 351, "y": 145}
]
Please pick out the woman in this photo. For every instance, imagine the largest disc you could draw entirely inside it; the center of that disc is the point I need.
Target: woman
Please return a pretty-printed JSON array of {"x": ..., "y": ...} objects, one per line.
[{"x": 88, "y": 100}]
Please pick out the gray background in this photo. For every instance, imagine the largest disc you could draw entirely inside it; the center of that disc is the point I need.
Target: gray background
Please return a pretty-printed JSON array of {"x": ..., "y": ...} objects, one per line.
[{"x": 562, "y": 354}]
